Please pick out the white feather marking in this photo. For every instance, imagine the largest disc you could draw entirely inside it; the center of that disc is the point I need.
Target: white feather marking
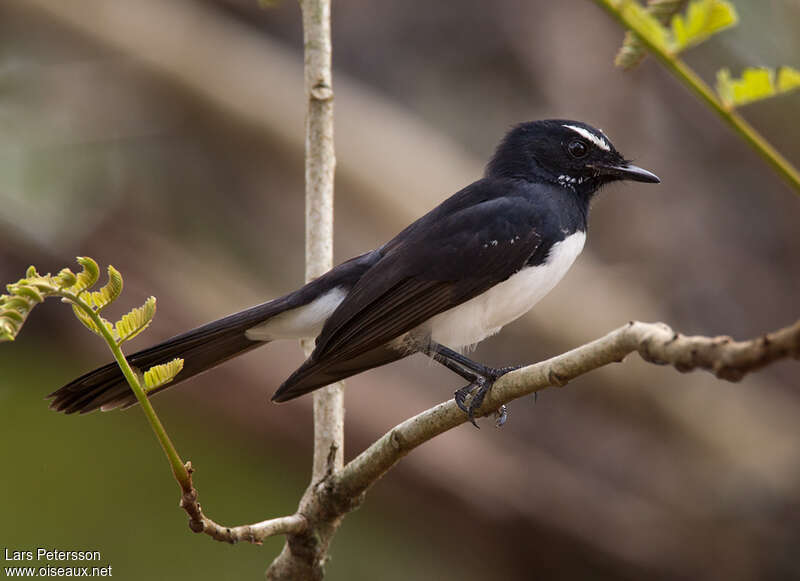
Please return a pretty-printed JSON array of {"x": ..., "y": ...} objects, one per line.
[
  {"x": 299, "y": 323},
  {"x": 598, "y": 140},
  {"x": 486, "y": 314}
]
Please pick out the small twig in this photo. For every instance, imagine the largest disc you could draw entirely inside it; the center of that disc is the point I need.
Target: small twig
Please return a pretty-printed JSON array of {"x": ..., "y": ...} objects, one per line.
[
  {"x": 678, "y": 68},
  {"x": 254, "y": 533},
  {"x": 633, "y": 51}
]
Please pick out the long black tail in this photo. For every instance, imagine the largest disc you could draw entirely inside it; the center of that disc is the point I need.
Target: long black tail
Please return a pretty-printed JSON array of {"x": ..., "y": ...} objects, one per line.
[{"x": 201, "y": 349}]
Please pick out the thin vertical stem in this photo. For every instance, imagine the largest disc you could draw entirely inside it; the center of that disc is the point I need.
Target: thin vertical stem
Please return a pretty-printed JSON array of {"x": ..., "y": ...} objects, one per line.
[{"x": 320, "y": 167}]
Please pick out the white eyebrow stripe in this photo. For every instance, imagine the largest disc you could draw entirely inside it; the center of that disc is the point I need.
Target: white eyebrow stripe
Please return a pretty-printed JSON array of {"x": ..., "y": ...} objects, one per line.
[{"x": 598, "y": 141}]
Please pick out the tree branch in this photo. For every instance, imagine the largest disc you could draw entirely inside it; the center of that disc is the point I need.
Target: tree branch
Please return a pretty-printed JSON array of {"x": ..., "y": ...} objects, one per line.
[
  {"x": 254, "y": 533},
  {"x": 655, "y": 342},
  {"x": 327, "y": 501}
]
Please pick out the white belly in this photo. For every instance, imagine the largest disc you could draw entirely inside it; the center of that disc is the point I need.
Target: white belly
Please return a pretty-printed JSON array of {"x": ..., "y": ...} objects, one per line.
[{"x": 485, "y": 315}]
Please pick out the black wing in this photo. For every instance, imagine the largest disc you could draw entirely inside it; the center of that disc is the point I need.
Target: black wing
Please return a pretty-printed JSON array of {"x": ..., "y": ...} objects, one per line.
[{"x": 427, "y": 269}]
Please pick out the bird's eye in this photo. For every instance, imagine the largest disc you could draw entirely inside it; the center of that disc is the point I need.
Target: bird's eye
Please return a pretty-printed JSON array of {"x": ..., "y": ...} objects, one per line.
[{"x": 577, "y": 148}]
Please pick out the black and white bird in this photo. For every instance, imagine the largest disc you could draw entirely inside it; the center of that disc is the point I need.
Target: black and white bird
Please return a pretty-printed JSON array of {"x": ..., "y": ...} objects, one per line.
[{"x": 457, "y": 275}]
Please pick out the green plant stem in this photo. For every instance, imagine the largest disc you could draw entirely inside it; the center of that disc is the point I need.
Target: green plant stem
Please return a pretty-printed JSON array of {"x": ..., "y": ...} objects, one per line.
[
  {"x": 178, "y": 467},
  {"x": 702, "y": 90}
]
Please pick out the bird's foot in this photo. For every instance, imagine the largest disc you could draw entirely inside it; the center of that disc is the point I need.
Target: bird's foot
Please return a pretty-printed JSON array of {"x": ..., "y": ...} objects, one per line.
[
  {"x": 500, "y": 371},
  {"x": 478, "y": 390}
]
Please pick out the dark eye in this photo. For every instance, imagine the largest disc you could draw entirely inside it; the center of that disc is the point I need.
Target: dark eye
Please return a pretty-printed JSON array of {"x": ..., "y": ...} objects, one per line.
[{"x": 577, "y": 148}]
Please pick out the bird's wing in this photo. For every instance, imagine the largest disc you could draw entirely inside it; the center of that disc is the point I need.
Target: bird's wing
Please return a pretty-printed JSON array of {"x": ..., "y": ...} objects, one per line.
[{"x": 449, "y": 261}]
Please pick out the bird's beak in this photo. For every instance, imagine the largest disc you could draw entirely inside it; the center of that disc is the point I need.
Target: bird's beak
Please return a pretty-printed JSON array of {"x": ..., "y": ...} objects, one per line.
[{"x": 628, "y": 171}]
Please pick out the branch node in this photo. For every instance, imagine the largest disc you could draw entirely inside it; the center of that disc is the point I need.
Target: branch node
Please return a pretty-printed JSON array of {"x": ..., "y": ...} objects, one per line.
[
  {"x": 322, "y": 92},
  {"x": 196, "y": 526},
  {"x": 396, "y": 439},
  {"x": 331, "y": 459}
]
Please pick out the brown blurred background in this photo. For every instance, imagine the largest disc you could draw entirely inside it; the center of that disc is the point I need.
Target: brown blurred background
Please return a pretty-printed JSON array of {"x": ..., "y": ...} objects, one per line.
[{"x": 166, "y": 138}]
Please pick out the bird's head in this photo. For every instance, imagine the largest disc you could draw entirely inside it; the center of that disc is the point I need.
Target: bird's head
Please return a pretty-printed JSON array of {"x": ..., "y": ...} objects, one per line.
[{"x": 568, "y": 153}]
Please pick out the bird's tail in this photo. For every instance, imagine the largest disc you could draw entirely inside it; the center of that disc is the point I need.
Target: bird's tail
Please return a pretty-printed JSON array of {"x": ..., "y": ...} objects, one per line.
[
  {"x": 201, "y": 349},
  {"x": 208, "y": 346}
]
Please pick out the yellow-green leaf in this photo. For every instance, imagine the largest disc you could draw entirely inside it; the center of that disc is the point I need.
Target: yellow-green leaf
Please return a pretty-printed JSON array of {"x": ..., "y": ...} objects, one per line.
[
  {"x": 29, "y": 292},
  {"x": 84, "y": 318},
  {"x": 647, "y": 24},
  {"x": 65, "y": 278},
  {"x": 136, "y": 321},
  {"x": 159, "y": 375},
  {"x": 755, "y": 84},
  {"x": 633, "y": 51},
  {"x": 703, "y": 19},
  {"x": 87, "y": 277},
  {"x": 12, "y": 315},
  {"x": 13, "y": 302},
  {"x": 8, "y": 331},
  {"x": 788, "y": 79},
  {"x": 108, "y": 293}
]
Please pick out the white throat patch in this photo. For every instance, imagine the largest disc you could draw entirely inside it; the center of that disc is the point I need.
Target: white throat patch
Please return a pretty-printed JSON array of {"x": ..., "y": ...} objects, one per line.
[{"x": 598, "y": 140}]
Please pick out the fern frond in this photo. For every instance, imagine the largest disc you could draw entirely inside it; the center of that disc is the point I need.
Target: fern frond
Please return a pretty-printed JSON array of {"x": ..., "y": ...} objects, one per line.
[
  {"x": 29, "y": 291},
  {"x": 8, "y": 332},
  {"x": 23, "y": 295},
  {"x": 136, "y": 321},
  {"x": 107, "y": 294},
  {"x": 159, "y": 375},
  {"x": 87, "y": 277},
  {"x": 65, "y": 278},
  {"x": 87, "y": 321},
  {"x": 13, "y": 315}
]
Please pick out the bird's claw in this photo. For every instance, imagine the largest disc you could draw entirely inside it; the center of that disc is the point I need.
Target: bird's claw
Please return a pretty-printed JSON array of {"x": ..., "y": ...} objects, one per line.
[
  {"x": 502, "y": 416},
  {"x": 478, "y": 390},
  {"x": 461, "y": 398}
]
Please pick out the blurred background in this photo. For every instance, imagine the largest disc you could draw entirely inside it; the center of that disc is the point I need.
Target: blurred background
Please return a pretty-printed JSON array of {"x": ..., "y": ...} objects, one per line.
[{"x": 167, "y": 138}]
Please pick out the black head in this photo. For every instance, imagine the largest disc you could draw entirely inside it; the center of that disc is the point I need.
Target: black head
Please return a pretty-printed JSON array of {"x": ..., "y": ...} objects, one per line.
[{"x": 568, "y": 153}]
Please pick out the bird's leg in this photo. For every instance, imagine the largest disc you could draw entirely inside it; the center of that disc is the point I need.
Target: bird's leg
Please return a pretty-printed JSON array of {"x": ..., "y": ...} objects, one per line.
[{"x": 480, "y": 376}]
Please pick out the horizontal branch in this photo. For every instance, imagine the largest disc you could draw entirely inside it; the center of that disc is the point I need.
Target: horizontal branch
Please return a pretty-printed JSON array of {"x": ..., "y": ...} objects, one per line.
[
  {"x": 655, "y": 342},
  {"x": 254, "y": 533}
]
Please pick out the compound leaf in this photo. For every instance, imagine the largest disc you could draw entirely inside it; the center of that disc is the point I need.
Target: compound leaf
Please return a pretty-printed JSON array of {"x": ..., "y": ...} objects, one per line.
[
  {"x": 703, "y": 19},
  {"x": 108, "y": 293},
  {"x": 159, "y": 375},
  {"x": 136, "y": 321},
  {"x": 788, "y": 79},
  {"x": 755, "y": 84},
  {"x": 87, "y": 277}
]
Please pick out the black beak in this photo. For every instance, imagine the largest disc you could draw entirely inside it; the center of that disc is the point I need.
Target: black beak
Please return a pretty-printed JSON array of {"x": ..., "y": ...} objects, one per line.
[{"x": 628, "y": 171}]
